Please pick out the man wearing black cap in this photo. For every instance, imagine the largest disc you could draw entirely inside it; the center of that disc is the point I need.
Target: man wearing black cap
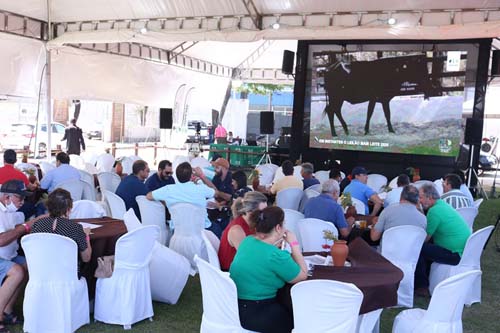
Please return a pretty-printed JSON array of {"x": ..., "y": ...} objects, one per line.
[{"x": 359, "y": 190}]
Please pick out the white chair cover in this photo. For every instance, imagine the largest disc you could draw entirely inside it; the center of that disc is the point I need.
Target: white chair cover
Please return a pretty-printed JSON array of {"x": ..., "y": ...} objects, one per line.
[
  {"x": 77, "y": 161},
  {"x": 105, "y": 162},
  {"x": 266, "y": 173},
  {"x": 74, "y": 187},
  {"x": 212, "y": 238},
  {"x": 220, "y": 303},
  {"x": 26, "y": 168},
  {"x": 115, "y": 203},
  {"x": 438, "y": 184},
  {"x": 444, "y": 314},
  {"x": 89, "y": 157},
  {"x": 54, "y": 300},
  {"x": 292, "y": 220},
  {"x": 359, "y": 205},
  {"x": 296, "y": 171},
  {"x": 213, "y": 258},
  {"x": 369, "y": 322},
  {"x": 394, "y": 183},
  {"x": 311, "y": 234},
  {"x": 401, "y": 246},
  {"x": 88, "y": 191},
  {"x": 169, "y": 272},
  {"x": 108, "y": 181},
  {"x": 469, "y": 215},
  {"x": 309, "y": 193},
  {"x": 478, "y": 203},
  {"x": 325, "y": 306},
  {"x": 91, "y": 168},
  {"x": 87, "y": 177},
  {"x": 322, "y": 175},
  {"x": 200, "y": 162},
  {"x": 289, "y": 198},
  {"x": 471, "y": 260},
  {"x": 86, "y": 209},
  {"x": 153, "y": 213},
  {"x": 131, "y": 221},
  {"x": 189, "y": 222},
  {"x": 46, "y": 167},
  {"x": 128, "y": 162},
  {"x": 376, "y": 181},
  {"x": 178, "y": 160},
  {"x": 125, "y": 297}
]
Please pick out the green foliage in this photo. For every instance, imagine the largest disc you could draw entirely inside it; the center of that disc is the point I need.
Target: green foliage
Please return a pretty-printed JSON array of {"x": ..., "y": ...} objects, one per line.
[{"x": 260, "y": 88}]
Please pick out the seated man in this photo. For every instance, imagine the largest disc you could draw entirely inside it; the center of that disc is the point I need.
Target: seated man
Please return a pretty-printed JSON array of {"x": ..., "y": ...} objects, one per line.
[
  {"x": 404, "y": 213},
  {"x": 448, "y": 231},
  {"x": 307, "y": 173},
  {"x": 289, "y": 181},
  {"x": 359, "y": 190},
  {"x": 326, "y": 208},
  {"x": 395, "y": 194},
  {"x": 62, "y": 173},
  {"x": 133, "y": 185},
  {"x": 335, "y": 174},
  {"x": 452, "y": 194},
  {"x": 162, "y": 177}
]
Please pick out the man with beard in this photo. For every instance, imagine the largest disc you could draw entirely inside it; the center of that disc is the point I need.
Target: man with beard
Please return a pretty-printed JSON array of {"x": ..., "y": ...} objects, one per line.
[{"x": 162, "y": 177}]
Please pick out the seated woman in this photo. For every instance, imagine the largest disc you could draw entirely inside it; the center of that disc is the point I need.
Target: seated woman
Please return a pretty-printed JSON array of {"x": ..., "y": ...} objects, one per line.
[
  {"x": 59, "y": 204},
  {"x": 239, "y": 183},
  {"x": 239, "y": 228},
  {"x": 260, "y": 268}
]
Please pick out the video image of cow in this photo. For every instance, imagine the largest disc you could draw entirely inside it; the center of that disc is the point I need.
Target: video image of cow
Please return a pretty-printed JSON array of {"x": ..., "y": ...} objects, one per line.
[{"x": 395, "y": 102}]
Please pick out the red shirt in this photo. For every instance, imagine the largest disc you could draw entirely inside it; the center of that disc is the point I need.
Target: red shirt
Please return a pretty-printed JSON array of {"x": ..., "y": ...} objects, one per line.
[
  {"x": 8, "y": 172},
  {"x": 226, "y": 251}
]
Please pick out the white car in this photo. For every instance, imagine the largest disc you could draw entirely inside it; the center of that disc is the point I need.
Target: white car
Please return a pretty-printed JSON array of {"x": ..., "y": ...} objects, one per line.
[{"x": 20, "y": 136}]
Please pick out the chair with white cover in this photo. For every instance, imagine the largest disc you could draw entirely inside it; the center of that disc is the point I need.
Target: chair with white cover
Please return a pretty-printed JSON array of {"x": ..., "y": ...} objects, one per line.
[
  {"x": 46, "y": 167},
  {"x": 128, "y": 162},
  {"x": 91, "y": 168},
  {"x": 438, "y": 184},
  {"x": 55, "y": 299},
  {"x": 83, "y": 209},
  {"x": 169, "y": 272},
  {"x": 444, "y": 313},
  {"x": 311, "y": 234},
  {"x": 200, "y": 162},
  {"x": 125, "y": 297},
  {"x": 105, "y": 162},
  {"x": 213, "y": 258},
  {"x": 220, "y": 300},
  {"x": 88, "y": 191},
  {"x": 27, "y": 169},
  {"x": 153, "y": 213},
  {"x": 309, "y": 193},
  {"x": 116, "y": 204},
  {"x": 77, "y": 161},
  {"x": 74, "y": 187},
  {"x": 297, "y": 171},
  {"x": 322, "y": 175},
  {"x": 478, "y": 202},
  {"x": 292, "y": 220},
  {"x": 376, "y": 182},
  {"x": 401, "y": 246},
  {"x": 469, "y": 215},
  {"x": 359, "y": 205},
  {"x": 87, "y": 177},
  {"x": 394, "y": 183},
  {"x": 471, "y": 260},
  {"x": 316, "y": 188},
  {"x": 325, "y": 306},
  {"x": 213, "y": 239},
  {"x": 266, "y": 173},
  {"x": 289, "y": 198},
  {"x": 108, "y": 181},
  {"x": 178, "y": 160}
]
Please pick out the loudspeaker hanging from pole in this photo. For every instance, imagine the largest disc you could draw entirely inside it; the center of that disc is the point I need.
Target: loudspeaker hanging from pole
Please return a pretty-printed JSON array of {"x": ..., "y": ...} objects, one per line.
[
  {"x": 473, "y": 131},
  {"x": 266, "y": 122},
  {"x": 288, "y": 59},
  {"x": 166, "y": 120}
]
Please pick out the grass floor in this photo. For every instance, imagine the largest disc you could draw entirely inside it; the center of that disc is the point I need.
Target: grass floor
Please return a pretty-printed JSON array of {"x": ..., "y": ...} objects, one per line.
[{"x": 185, "y": 316}]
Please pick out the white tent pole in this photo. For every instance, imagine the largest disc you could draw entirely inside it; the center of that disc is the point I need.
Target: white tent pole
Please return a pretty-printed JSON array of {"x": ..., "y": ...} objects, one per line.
[{"x": 48, "y": 74}]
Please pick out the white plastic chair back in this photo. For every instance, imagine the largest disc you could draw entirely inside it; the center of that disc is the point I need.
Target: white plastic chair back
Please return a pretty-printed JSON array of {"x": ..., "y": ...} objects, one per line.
[
  {"x": 89, "y": 191},
  {"x": 54, "y": 300},
  {"x": 200, "y": 162},
  {"x": 213, "y": 258},
  {"x": 125, "y": 297},
  {"x": 115, "y": 203},
  {"x": 444, "y": 313},
  {"x": 74, "y": 187},
  {"x": 105, "y": 163},
  {"x": 266, "y": 173},
  {"x": 87, "y": 177},
  {"x": 394, "y": 183},
  {"x": 46, "y": 167},
  {"x": 189, "y": 222},
  {"x": 471, "y": 260},
  {"x": 83, "y": 209},
  {"x": 77, "y": 161},
  {"x": 220, "y": 303},
  {"x": 153, "y": 213},
  {"x": 478, "y": 203},
  {"x": 289, "y": 198},
  {"x": 359, "y": 205},
  {"x": 469, "y": 215},
  {"x": 108, "y": 181},
  {"x": 376, "y": 181},
  {"x": 438, "y": 184},
  {"x": 325, "y": 306},
  {"x": 311, "y": 234},
  {"x": 401, "y": 246},
  {"x": 322, "y": 175}
]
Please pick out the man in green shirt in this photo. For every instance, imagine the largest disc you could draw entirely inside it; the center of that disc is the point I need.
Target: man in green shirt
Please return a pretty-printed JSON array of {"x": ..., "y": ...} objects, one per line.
[{"x": 448, "y": 231}]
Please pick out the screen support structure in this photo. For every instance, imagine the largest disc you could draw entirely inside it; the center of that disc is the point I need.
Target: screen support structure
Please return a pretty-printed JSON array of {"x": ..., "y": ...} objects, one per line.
[
  {"x": 472, "y": 172},
  {"x": 265, "y": 158}
]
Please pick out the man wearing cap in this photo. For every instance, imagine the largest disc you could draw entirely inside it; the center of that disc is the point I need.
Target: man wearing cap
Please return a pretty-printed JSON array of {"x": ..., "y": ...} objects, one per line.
[
  {"x": 62, "y": 173},
  {"x": 359, "y": 190}
]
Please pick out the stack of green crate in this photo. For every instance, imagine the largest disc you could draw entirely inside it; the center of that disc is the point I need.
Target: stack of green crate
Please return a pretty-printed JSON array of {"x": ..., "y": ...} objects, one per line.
[
  {"x": 254, "y": 159},
  {"x": 216, "y": 146},
  {"x": 240, "y": 160}
]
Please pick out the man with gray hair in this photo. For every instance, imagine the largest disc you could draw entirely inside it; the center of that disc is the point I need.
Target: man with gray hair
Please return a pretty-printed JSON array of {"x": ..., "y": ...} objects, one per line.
[
  {"x": 307, "y": 173},
  {"x": 326, "y": 208},
  {"x": 449, "y": 233},
  {"x": 404, "y": 213}
]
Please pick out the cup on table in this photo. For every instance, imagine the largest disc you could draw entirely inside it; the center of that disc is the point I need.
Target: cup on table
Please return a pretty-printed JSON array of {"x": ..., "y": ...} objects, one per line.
[{"x": 363, "y": 224}]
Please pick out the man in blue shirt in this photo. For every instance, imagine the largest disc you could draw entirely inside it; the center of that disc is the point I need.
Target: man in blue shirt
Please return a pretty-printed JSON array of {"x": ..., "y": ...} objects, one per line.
[
  {"x": 359, "y": 190},
  {"x": 162, "y": 177},
  {"x": 307, "y": 175},
  {"x": 133, "y": 185},
  {"x": 326, "y": 208},
  {"x": 62, "y": 173}
]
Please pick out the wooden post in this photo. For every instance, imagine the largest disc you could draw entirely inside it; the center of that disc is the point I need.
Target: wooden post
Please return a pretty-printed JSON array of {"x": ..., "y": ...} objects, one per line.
[
  {"x": 113, "y": 149},
  {"x": 136, "y": 149},
  {"x": 155, "y": 152}
]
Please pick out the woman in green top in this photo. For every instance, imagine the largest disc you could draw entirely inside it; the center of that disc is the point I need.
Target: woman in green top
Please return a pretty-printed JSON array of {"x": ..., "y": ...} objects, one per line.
[{"x": 260, "y": 268}]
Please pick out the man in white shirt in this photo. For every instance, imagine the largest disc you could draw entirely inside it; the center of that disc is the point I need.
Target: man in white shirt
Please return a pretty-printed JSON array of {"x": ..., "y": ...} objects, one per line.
[{"x": 395, "y": 194}]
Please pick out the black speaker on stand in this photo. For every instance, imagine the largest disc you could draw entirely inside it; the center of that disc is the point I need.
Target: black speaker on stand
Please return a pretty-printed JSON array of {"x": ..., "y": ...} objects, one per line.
[
  {"x": 473, "y": 137},
  {"x": 287, "y": 65},
  {"x": 166, "y": 120},
  {"x": 266, "y": 127}
]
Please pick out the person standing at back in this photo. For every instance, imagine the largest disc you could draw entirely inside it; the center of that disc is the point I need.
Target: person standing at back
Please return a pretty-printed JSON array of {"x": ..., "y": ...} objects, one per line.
[{"x": 74, "y": 138}]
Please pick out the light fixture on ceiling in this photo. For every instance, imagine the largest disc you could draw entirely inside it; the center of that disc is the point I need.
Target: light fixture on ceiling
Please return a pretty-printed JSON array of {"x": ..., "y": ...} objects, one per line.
[
  {"x": 391, "y": 21},
  {"x": 143, "y": 30},
  {"x": 276, "y": 25}
]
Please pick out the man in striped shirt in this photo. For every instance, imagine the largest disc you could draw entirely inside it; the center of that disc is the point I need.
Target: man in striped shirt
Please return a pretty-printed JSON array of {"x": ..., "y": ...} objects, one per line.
[{"x": 452, "y": 194}]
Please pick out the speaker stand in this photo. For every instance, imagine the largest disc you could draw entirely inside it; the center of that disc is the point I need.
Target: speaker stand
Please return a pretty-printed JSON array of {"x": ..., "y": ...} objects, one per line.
[
  {"x": 472, "y": 172},
  {"x": 265, "y": 158}
]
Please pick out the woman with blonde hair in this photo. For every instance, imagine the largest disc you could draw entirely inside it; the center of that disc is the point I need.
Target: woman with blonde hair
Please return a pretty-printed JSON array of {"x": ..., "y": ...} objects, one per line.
[{"x": 240, "y": 227}]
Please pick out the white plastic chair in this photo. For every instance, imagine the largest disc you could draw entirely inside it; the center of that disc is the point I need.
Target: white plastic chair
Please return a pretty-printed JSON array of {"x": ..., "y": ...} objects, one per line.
[
  {"x": 220, "y": 300},
  {"x": 86, "y": 209},
  {"x": 125, "y": 297},
  {"x": 478, "y": 203},
  {"x": 116, "y": 204},
  {"x": 376, "y": 181},
  {"x": 469, "y": 215},
  {"x": 55, "y": 299},
  {"x": 444, "y": 313},
  {"x": 105, "y": 162},
  {"x": 322, "y": 175},
  {"x": 168, "y": 272},
  {"x": 213, "y": 258},
  {"x": 471, "y": 260},
  {"x": 359, "y": 205},
  {"x": 108, "y": 181},
  {"x": 74, "y": 187},
  {"x": 325, "y": 306},
  {"x": 46, "y": 167},
  {"x": 153, "y": 213},
  {"x": 394, "y": 183},
  {"x": 289, "y": 198},
  {"x": 77, "y": 161},
  {"x": 401, "y": 246},
  {"x": 200, "y": 162},
  {"x": 311, "y": 234},
  {"x": 438, "y": 184}
]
